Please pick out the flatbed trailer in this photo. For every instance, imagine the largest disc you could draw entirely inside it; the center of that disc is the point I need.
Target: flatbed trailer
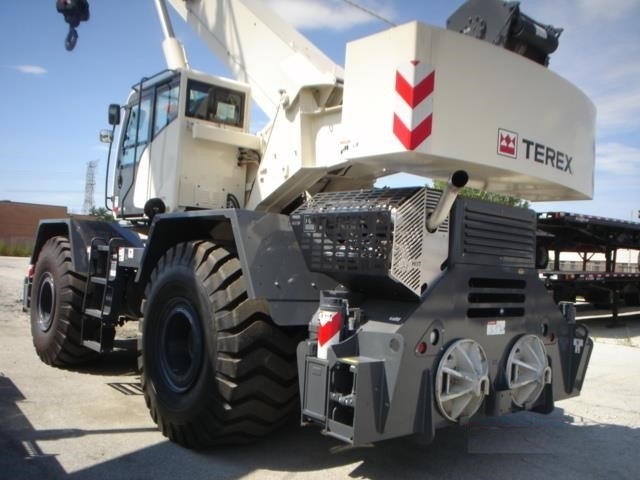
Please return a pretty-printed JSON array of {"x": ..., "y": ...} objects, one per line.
[{"x": 587, "y": 235}]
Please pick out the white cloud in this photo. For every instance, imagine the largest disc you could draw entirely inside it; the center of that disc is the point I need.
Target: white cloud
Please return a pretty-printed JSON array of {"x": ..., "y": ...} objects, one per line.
[
  {"x": 599, "y": 52},
  {"x": 576, "y": 13},
  {"x": 606, "y": 9},
  {"x": 30, "y": 69},
  {"x": 619, "y": 111},
  {"x": 618, "y": 159},
  {"x": 334, "y": 15}
]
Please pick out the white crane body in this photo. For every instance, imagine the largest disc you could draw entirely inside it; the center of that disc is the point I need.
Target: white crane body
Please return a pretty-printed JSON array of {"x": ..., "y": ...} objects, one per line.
[{"x": 324, "y": 135}]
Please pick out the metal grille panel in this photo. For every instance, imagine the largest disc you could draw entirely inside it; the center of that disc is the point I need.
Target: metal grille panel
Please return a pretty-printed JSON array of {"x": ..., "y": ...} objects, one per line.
[
  {"x": 496, "y": 297},
  {"x": 492, "y": 234},
  {"x": 409, "y": 238},
  {"x": 349, "y": 232},
  {"x": 375, "y": 233}
]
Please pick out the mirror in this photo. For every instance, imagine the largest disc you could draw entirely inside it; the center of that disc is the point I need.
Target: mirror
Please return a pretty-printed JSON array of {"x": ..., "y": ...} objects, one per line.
[
  {"x": 114, "y": 114},
  {"x": 106, "y": 136}
]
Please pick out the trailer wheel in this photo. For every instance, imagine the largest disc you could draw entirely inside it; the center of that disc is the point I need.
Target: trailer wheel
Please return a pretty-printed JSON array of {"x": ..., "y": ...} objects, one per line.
[
  {"x": 214, "y": 368},
  {"x": 56, "y": 304},
  {"x": 631, "y": 295}
]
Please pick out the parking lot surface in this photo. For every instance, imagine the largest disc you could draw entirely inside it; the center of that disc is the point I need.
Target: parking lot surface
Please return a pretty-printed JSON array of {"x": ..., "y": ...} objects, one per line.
[{"x": 92, "y": 423}]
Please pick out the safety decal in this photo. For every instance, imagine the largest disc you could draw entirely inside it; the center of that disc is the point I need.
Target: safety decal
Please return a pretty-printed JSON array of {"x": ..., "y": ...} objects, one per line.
[
  {"x": 413, "y": 115},
  {"x": 496, "y": 327},
  {"x": 330, "y": 325}
]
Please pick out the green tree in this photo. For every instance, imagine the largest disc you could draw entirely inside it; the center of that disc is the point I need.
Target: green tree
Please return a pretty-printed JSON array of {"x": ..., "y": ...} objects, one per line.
[
  {"x": 101, "y": 213},
  {"x": 484, "y": 195}
]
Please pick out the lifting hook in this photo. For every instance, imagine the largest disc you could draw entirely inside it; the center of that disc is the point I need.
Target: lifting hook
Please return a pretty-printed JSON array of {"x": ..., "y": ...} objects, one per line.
[
  {"x": 72, "y": 39},
  {"x": 74, "y": 11}
]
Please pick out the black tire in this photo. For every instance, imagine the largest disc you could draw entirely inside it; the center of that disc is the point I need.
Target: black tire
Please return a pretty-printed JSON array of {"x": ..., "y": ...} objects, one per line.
[
  {"x": 56, "y": 304},
  {"x": 631, "y": 298},
  {"x": 542, "y": 257},
  {"x": 214, "y": 368}
]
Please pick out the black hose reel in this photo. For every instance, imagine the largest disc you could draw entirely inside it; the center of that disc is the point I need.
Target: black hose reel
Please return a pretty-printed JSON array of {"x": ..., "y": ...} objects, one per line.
[{"x": 74, "y": 11}]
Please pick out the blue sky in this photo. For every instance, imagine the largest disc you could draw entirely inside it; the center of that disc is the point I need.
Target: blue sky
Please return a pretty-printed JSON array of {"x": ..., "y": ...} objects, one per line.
[{"x": 55, "y": 102}]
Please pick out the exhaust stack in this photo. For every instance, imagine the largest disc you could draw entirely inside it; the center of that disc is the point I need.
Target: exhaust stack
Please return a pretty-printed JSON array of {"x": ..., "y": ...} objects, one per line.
[{"x": 456, "y": 181}]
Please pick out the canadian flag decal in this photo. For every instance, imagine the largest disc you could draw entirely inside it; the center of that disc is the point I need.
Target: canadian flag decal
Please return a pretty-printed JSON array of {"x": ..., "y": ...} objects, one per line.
[{"x": 413, "y": 115}]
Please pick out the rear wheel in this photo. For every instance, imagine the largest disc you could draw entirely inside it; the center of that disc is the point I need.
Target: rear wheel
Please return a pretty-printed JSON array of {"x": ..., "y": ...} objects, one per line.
[
  {"x": 631, "y": 295},
  {"x": 215, "y": 369},
  {"x": 56, "y": 304}
]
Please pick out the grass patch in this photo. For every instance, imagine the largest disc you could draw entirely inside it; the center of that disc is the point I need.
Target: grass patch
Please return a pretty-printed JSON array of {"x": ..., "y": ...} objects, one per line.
[{"x": 15, "y": 249}]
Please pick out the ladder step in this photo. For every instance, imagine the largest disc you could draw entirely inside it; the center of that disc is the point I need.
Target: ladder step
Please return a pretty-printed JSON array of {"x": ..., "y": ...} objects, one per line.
[
  {"x": 93, "y": 312},
  {"x": 99, "y": 280},
  {"x": 93, "y": 345}
]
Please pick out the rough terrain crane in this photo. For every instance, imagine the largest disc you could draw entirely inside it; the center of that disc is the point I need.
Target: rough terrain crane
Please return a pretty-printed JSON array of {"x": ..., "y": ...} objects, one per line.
[{"x": 267, "y": 273}]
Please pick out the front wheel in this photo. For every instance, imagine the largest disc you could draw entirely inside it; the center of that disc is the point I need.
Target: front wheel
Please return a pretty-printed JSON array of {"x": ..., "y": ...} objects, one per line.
[
  {"x": 215, "y": 369},
  {"x": 56, "y": 304}
]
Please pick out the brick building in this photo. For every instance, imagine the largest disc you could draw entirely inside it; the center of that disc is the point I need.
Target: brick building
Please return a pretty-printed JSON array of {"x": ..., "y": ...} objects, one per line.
[{"x": 18, "y": 221}]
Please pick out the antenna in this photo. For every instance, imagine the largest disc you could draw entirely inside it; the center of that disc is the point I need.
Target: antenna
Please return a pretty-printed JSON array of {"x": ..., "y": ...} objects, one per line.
[{"x": 90, "y": 183}]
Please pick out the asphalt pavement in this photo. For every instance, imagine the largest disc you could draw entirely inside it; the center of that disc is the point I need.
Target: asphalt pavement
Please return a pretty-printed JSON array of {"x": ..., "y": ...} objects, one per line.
[{"x": 92, "y": 423}]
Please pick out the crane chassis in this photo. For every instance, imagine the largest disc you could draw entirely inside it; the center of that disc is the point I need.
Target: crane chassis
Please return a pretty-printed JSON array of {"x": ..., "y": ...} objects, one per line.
[{"x": 268, "y": 276}]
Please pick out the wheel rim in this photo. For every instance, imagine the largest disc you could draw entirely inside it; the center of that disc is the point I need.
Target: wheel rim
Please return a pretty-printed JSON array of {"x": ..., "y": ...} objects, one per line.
[
  {"x": 462, "y": 380},
  {"x": 181, "y": 346},
  {"x": 46, "y": 302},
  {"x": 527, "y": 370}
]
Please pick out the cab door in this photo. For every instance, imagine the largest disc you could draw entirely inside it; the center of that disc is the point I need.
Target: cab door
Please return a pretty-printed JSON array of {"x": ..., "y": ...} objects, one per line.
[{"x": 134, "y": 144}]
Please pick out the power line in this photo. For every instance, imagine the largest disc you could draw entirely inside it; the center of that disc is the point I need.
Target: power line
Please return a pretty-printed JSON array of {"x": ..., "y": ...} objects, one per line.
[{"x": 370, "y": 12}]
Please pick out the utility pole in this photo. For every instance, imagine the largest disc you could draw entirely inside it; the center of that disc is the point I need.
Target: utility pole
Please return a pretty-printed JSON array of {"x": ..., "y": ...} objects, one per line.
[{"x": 90, "y": 183}]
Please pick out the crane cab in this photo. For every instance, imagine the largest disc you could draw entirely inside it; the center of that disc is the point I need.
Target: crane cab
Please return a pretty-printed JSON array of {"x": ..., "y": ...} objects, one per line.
[{"x": 182, "y": 145}]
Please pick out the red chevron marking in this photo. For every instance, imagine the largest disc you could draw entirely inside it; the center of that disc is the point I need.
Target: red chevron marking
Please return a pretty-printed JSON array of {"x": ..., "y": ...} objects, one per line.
[
  {"x": 413, "y": 95},
  {"x": 411, "y": 139}
]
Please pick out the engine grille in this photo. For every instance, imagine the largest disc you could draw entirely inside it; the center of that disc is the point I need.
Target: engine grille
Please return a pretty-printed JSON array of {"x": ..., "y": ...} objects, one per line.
[
  {"x": 493, "y": 234},
  {"x": 355, "y": 236},
  {"x": 496, "y": 297},
  {"x": 348, "y": 231}
]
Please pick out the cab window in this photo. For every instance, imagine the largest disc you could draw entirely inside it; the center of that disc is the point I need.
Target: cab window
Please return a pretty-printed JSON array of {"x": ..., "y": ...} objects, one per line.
[
  {"x": 215, "y": 103},
  {"x": 166, "y": 106},
  {"x": 136, "y": 133}
]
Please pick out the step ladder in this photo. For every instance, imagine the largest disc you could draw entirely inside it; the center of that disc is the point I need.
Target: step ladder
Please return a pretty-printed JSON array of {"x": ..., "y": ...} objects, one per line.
[{"x": 102, "y": 293}]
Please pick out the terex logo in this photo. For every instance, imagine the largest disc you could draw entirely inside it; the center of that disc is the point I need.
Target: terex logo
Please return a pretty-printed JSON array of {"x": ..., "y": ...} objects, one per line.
[
  {"x": 548, "y": 156},
  {"x": 538, "y": 152},
  {"x": 507, "y": 143}
]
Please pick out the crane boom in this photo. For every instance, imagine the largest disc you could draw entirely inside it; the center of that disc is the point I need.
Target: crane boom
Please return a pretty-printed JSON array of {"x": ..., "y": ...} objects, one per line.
[
  {"x": 173, "y": 51},
  {"x": 259, "y": 48}
]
